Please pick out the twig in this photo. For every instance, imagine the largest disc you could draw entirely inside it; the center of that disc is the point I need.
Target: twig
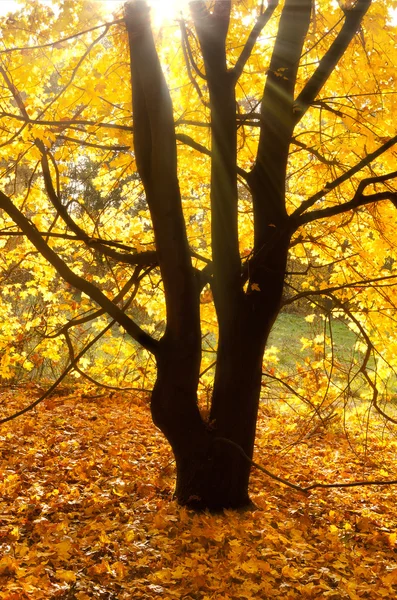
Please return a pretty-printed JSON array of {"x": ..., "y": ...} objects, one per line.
[
  {"x": 61, "y": 40},
  {"x": 60, "y": 378},
  {"x": 295, "y": 486}
]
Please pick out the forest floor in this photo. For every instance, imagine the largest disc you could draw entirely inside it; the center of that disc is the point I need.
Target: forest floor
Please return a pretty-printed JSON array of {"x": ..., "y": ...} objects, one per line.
[{"x": 86, "y": 510}]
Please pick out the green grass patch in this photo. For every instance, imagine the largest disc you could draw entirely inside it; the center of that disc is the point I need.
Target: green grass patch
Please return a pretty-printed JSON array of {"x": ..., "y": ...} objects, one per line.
[{"x": 289, "y": 329}]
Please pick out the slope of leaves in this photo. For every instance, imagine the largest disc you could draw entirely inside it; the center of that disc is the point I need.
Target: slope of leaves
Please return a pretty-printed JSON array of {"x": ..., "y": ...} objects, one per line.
[{"x": 87, "y": 512}]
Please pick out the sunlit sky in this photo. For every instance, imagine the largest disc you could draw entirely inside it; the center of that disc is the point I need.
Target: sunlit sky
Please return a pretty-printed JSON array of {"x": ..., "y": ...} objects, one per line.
[{"x": 162, "y": 9}]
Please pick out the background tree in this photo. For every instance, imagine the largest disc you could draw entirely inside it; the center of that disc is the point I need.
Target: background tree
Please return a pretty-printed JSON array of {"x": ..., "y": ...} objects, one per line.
[{"x": 282, "y": 139}]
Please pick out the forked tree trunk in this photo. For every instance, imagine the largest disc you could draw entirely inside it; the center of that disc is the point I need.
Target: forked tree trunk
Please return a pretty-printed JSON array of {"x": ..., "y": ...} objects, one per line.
[
  {"x": 213, "y": 458},
  {"x": 212, "y": 472}
]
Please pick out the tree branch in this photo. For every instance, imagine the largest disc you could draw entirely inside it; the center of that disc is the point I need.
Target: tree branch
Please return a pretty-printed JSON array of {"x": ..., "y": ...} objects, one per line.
[
  {"x": 66, "y": 123},
  {"x": 257, "y": 29},
  {"x": 316, "y": 153},
  {"x": 76, "y": 281},
  {"x": 148, "y": 257},
  {"x": 189, "y": 141},
  {"x": 335, "y": 288},
  {"x": 267, "y": 178},
  {"x": 353, "y": 19},
  {"x": 60, "y": 40},
  {"x": 189, "y": 59},
  {"x": 299, "y": 488},
  {"x": 69, "y": 368},
  {"x": 212, "y": 30},
  {"x": 358, "y": 201},
  {"x": 156, "y": 159},
  {"x": 67, "y": 138},
  {"x": 95, "y": 243},
  {"x": 134, "y": 280},
  {"x": 344, "y": 177}
]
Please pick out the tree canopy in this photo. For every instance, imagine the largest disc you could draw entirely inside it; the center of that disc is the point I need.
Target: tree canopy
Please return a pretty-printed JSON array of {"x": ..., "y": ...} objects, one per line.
[{"x": 255, "y": 169}]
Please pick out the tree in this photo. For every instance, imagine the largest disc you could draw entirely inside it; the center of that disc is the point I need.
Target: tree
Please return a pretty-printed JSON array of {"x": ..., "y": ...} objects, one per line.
[{"x": 295, "y": 130}]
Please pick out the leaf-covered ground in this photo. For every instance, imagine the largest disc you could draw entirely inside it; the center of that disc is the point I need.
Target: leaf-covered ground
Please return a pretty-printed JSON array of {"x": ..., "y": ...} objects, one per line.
[{"x": 86, "y": 511}]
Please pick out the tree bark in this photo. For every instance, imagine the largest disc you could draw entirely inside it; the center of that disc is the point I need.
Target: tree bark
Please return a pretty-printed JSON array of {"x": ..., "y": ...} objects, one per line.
[
  {"x": 213, "y": 473},
  {"x": 212, "y": 459}
]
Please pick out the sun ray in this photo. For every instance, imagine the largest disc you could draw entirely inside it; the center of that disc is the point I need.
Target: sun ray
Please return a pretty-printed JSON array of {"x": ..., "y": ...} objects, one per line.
[{"x": 162, "y": 11}]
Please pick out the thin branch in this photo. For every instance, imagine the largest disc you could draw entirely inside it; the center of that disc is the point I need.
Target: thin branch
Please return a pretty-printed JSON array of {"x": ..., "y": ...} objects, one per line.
[
  {"x": 52, "y": 193},
  {"x": 192, "y": 123},
  {"x": 299, "y": 488},
  {"x": 344, "y": 177},
  {"x": 294, "y": 392},
  {"x": 351, "y": 484},
  {"x": 189, "y": 141},
  {"x": 330, "y": 290},
  {"x": 312, "y": 150},
  {"x": 338, "y": 209},
  {"x": 65, "y": 331},
  {"x": 134, "y": 280},
  {"x": 61, "y": 40},
  {"x": 75, "y": 280},
  {"x": 65, "y": 123},
  {"x": 189, "y": 59},
  {"x": 93, "y": 145},
  {"x": 111, "y": 387},
  {"x": 79, "y": 232},
  {"x": 353, "y": 19},
  {"x": 69, "y": 368},
  {"x": 373, "y": 180},
  {"x": 147, "y": 257},
  {"x": 74, "y": 72},
  {"x": 259, "y": 467},
  {"x": 257, "y": 29},
  {"x": 363, "y": 368},
  {"x": 207, "y": 369}
]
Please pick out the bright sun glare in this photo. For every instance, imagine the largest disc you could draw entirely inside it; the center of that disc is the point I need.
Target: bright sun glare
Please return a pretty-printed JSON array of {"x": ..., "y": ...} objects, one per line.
[{"x": 162, "y": 10}]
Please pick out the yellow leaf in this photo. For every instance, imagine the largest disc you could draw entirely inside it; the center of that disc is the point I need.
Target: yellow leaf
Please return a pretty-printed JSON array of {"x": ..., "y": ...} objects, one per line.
[
  {"x": 392, "y": 539},
  {"x": 119, "y": 569},
  {"x": 333, "y": 529},
  {"x": 364, "y": 524},
  {"x": 64, "y": 575},
  {"x": 63, "y": 549},
  {"x": 390, "y": 578},
  {"x": 179, "y": 573},
  {"x": 250, "y": 566},
  {"x": 103, "y": 538},
  {"x": 290, "y": 572},
  {"x": 159, "y": 522},
  {"x": 129, "y": 535}
]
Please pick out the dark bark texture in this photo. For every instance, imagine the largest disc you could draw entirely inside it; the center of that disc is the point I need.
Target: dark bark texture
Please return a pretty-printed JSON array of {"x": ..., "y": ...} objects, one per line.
[{"x": 213, "y": 458}]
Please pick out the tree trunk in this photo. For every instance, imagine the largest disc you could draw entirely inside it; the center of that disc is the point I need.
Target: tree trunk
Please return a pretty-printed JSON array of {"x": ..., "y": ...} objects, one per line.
[{"x": 213, "y": 459}]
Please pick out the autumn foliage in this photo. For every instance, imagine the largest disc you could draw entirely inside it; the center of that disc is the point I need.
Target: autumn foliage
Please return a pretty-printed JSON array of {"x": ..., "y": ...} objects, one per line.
[
  {"x": 86, "y": 512},
  {"x": 168, "y": 188}
]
